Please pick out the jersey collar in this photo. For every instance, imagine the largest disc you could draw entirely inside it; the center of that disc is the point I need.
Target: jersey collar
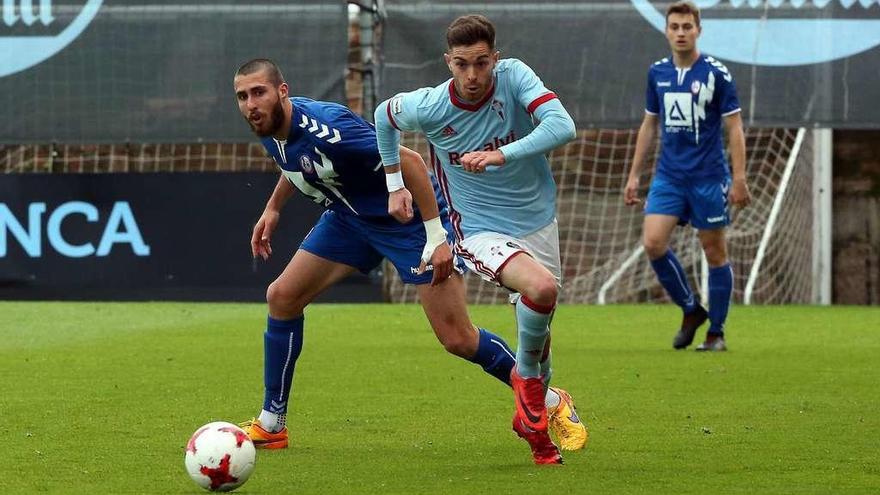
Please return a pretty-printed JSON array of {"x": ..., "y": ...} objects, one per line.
[
  {"x": 296, "y": 119},
  {"x": 471, "y": 107}
]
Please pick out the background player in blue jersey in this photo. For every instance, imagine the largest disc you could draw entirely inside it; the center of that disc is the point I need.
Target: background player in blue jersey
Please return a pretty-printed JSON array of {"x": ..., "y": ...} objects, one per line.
[
  {"x": 330, "y": 155},
  {"x": 692, "y": 94},
  {"x": 489, "y": 128}
]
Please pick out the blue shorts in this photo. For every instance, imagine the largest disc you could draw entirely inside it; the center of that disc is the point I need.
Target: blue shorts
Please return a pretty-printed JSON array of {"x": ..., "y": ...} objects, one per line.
[
  {"x": 362, "y": 243},
  {"x": 703, "y": 204}
]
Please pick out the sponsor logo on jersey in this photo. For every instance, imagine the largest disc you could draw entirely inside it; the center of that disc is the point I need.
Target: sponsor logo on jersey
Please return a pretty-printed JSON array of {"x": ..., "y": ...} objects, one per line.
[
  {"x": 678, "y": 108},
  {"x": 494, "y": 144},
  {"x": 778, "y": 33}
]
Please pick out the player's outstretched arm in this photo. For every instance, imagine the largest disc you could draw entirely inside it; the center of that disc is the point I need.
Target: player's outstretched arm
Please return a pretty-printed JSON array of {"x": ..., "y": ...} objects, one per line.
[
  {"x": 261, "y": 237},
  {"x": 739, "y": 192},
  {"x": 388, "y": 143},
  {"x": 436, "y": 251},
  {"x": 556, "y": 128},
  {"x": 644, "y": 140}
]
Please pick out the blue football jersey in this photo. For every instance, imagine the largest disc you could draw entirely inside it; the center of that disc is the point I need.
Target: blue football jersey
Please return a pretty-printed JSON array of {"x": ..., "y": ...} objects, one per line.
[
  {"x": 332, "y": 157},
  {"x": 691, "y": 103}
]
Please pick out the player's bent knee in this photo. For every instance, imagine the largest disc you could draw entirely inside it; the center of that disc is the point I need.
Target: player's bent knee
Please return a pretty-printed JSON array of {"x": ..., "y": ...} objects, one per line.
[
  {"x": 654, "y": 247},
  {"x": 460, "y": 340},
  {"x": 285, "y": 300},
  {"x": 459, "y": 346},
  {"x": 715, "y": 255},
  {"x": 544, "y": 291}
]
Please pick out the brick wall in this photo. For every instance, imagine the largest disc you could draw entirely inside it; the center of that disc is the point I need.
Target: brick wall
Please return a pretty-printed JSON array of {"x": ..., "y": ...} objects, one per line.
[{"x": 856, "y": 224}]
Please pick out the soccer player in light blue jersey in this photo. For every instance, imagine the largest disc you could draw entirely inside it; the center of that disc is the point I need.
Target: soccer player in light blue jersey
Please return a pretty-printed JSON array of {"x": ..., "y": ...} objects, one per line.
[
  {"x": 691, "y": 96},
  {"x": 330, "y": 155},
  {"x": 490, "y": 127}
]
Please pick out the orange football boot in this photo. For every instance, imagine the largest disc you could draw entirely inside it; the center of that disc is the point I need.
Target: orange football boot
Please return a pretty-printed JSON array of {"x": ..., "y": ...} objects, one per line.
[{"x": 262, "y": 438}]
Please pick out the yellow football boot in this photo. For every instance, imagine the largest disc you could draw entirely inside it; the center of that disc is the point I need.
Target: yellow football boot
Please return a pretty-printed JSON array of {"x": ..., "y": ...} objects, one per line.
[{"x": 571, "y": 433}]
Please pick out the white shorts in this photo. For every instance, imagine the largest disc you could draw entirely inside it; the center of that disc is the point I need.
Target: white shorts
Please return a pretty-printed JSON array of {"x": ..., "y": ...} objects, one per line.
[{"x": 487, "y": 252}]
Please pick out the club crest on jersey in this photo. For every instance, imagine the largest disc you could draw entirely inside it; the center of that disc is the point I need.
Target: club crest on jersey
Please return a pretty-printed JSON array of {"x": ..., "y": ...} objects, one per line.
[
  {"x": 306, "y": 164},
  {"x": 695, "y": 87},
  {"x": 499, "y": 108},
  {"x": 449, "y": 131}
]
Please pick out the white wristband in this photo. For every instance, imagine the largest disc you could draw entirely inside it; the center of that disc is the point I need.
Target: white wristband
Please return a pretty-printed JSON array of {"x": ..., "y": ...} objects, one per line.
[
  {"x": 436, "y": 235},
  {"x": 394, "y": 181}
]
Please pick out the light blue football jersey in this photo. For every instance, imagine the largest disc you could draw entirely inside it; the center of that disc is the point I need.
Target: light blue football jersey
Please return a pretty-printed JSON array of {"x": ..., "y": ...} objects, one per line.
[
  {"x": 691, "y": 103},
  {"x": 517, "y": 198}
]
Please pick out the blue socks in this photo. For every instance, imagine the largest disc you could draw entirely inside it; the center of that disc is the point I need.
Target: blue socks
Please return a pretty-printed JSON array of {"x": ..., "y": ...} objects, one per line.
[
  {"x": 282, "y": 344},
  {"x": 532, "y": 322},
  {"x": 494, "y": 355},
  {"x": 674, "y": 280},
  {"x": 720, "y": 289}
]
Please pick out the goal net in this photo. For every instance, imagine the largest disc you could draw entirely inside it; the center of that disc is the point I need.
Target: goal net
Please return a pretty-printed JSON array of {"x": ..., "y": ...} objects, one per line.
[{"x": 769, "y": 243}]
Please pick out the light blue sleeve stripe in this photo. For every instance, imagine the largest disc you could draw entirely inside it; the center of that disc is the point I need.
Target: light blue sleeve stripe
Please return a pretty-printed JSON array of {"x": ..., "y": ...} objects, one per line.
[
  {"x": 556, "y": 128},
  {"x": 387, "y": 136}
]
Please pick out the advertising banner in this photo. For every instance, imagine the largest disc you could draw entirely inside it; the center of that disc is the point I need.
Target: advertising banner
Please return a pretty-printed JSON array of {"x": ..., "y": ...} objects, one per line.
[
  {"x": 102, "y": 71},
  {"x": 794, "y": 63},
  {"x": 182, "y": 236}
]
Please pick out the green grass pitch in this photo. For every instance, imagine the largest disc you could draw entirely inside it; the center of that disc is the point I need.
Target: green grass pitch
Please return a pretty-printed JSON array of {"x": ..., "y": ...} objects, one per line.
[{"x": 101, "y": 398}]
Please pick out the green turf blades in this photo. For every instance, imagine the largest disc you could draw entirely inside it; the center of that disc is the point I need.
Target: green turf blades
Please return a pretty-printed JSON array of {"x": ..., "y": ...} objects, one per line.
[{"x": 101, "y": 398}]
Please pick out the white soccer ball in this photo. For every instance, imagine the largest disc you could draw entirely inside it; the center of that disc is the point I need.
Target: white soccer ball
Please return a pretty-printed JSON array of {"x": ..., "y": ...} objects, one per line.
[{"x": 220, "y": 457}]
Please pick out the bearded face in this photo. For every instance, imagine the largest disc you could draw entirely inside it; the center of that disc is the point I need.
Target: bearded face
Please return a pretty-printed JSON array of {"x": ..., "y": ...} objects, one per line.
[
  {"x": 260, "y": 103},
  {"x": 266, "y": 124}
]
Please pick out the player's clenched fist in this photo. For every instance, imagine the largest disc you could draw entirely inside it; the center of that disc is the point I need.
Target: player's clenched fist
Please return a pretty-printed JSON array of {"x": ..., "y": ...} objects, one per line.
[
  {"x": 400, "y": 205},
  {"x": 477, "y": 161}
]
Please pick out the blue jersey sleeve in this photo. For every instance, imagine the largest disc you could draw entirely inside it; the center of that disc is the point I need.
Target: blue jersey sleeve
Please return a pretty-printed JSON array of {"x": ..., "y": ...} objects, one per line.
[
  {"x": 728, "y": 100},
  {"x": 356, "y": 136},
  {"x": 396, "y": 114},
  {"x": 352, "y": 136},
  {"x": 652, "y": 104}
]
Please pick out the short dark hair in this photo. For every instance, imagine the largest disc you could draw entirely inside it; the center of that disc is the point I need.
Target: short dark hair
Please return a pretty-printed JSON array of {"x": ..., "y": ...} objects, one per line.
[
  {"x": 684, "y": 7},
  {"x": 262, "y": 64},
  {"x": 469, "y": 30}
]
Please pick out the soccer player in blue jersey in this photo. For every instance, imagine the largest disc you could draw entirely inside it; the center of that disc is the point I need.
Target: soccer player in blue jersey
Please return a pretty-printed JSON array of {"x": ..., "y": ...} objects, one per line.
[
  {"x": 691, "y": 95},
  {"x": 490, "y": 127},
  {"x": 330, "y": 155}
]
